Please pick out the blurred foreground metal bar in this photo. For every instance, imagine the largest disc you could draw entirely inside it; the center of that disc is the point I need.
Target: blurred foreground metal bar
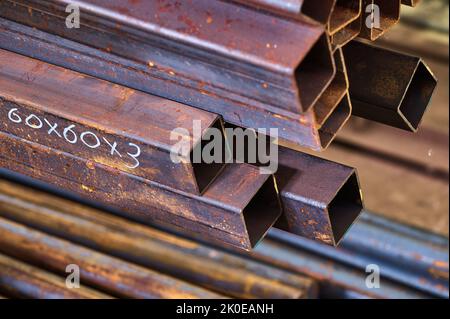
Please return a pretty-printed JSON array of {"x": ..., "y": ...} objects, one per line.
[
  {"x": 378, "y": 17},
  {"x": 311, "y": 8},
  {"x": 110, "y": 274},
  {"x": 296, "y": 129},
  {"x": 20, "y": 280},
  {"x": 210, "y": 268},
  {"x": 237, "y": 209},
  {"x": 387, "y": 86},
  {"x": 210, "y": 47},
  {"x": 106, "y": 123},
  {"x": 403, "y": 254}
]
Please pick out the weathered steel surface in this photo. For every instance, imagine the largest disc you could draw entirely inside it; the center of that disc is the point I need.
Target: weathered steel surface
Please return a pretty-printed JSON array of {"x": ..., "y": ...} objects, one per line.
[
  {"x": 104, "y": 122},
  {"x": 387, "y": 86},
  {"x": 386, "y": 14},
  {"x": 411, "y": 3},
  {"x": 113, "y": 275},
  {"x": 285, "y": 64},
  {"x": 238, "y": 208},
  {"x": 346, "y": 34},
  {"x": 207, "y": 267},
  {"x": 334, "y": 108},
  {"x": 343, "y": 14},
  {"x": 21, "y": 280},
  {"x": 321, "y": 199},
  {"x": 293, "y": 128},
  {"x": 411, "y": 257},
  {"x": 317, "y": 10}
]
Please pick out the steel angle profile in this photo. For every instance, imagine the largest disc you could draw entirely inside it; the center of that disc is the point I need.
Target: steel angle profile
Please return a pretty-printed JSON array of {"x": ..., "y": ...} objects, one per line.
[
  {"x": 411, "y": 3},
  {"x": 320, "y": 199},
  {"x": 20, "y": 280},
  {"x": 379, "y": 16},
  {"x": 346, "y": 34},
  {"x": 111, "y": 275},
  {"x": 298, "y": 130},
  {"x": 334, "y": 107},
  {"x": 208, "y": 267},
  {"x": 310, "y": 8},
  {"x": 237, "y": 209},
  {"x": 210, "y": 47},
  {"x": 109, "y": 124},
  {"x": 387, "y": 86}
]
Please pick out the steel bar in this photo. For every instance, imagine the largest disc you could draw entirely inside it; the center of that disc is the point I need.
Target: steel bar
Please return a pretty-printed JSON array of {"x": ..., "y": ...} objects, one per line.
[
  {"x": 252, "y": 59},
  {"x": 311, "y": 8},
  {"x": 112, "y": 275},
  {"x": 24, "y": 281},
  {"x": 343, "y": 14},
  {"x": 387, "y": 86},
  {"x": 345, "y": 35},
  {"x": 320, "y": 199},
  {"x": 204, "y": 266},
  {"x": 401, "y": 254},
  {"x": 379, "y": 16},
  {"x": 237, "y": 209},
  {"x": 295, "y": 129},
  {"x": 106, "y": 123},
  {"x": 334, "y": 107}
]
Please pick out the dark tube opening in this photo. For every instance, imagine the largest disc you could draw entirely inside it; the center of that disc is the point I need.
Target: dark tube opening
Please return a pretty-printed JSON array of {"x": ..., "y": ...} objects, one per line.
[
  {"x": 315, "y": 73},
  {"x": 418, "y": 96},
  {"x": 205, "y": 173},
  {"x": 263, "y": 211},
  {"x": 345, "y": 208}
]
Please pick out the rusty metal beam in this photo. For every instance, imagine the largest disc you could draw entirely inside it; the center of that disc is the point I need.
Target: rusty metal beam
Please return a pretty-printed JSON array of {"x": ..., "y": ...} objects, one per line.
[
  {"x": 377, "y": 21},
  {"x": 21, "y": 280},
  {"x": 112, "y": 275},
  {"x": 321, "y": 199},
  {"x": 252, "y": 59},
  {"x": 237, "y": 209},
  {"x": 108, "y": 124},
  {"x": 295, "y": 129},
  {"x": 346, "y": 34},
  {"x": 334, "y": 107},
  {"x": 311, "y": 8},
  {"x": 207, "y": 267},
  {"x": 343, "y": 14},
  {"x": 387, "y": 86}
]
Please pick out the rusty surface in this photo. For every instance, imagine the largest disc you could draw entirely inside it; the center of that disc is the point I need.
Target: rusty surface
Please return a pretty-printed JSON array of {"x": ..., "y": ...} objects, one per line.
[
  {"x": 346, "y": 34},
  {"x": 311, "y": 8},
  {"x": 295, "y": 129},
  {"x": 112, "y": 275},
  {"x": 389, "y": 11},
  {"x": 320, "y": 199},
  {"x": 207, "y": 267},
  {"x": 20, "y": 280},
  {"x": 334, "y": 107},
  {"x": 251, "y": 58},
  {"x": 343, "y": 14},
  {"x": 109, "y": 124},
  {"x": 411, "y": 3},
  {"x": 238, "y": 208},
  {"x": 387, "y": 86}
]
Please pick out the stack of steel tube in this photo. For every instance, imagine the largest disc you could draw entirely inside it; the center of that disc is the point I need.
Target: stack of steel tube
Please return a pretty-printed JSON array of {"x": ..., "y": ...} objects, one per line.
[{"x": 93, "y": 109}]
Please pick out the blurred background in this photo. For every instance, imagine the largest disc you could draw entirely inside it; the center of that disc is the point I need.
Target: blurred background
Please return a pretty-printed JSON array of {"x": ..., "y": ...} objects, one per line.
[{"x": 403, "y": 175}]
